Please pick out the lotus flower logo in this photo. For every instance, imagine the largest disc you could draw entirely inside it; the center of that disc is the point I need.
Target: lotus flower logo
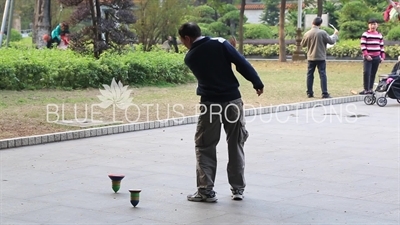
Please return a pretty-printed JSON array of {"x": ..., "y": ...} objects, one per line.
[{"x": 116, "y": 94}]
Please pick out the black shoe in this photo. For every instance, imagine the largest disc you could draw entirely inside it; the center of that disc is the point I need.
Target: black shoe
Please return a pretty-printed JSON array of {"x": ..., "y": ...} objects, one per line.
[
  {"x": 363, "y": 92},
  {"x": 310, "y": 95},
  {"x": 326, "y": 96}
]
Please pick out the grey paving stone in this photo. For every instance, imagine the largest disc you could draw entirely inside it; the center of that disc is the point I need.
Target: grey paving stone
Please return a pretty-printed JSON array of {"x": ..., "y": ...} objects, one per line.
[
  {"x": 45, "y": 139},
  {"x": 18, "y": 142},
  {"x": 24, "y": 141},
  {"x": 4, "y": 144},
  {"x": 10, "y": 143}
]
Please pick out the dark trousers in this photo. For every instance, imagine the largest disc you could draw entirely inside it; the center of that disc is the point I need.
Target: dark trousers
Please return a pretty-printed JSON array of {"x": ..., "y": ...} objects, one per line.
[
  {"x": 370, "y": 69},
  {"x": 321, "y": 64},
  {"x": 51, "y": 41}
]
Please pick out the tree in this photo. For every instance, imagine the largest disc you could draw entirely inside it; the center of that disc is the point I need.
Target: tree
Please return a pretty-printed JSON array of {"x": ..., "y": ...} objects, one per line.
[
  {"x": 333, "y": 10},
  {"x": 41, "y": 25},
  {"x": 108, "y": 28},
  {"x": 352, "y": 19},
  {"x": 282, "y": 44},
  {"x": 271, "y": 12},
  {"x": 319, "y": 8},
  {"x": 150, "y": 29},
  {"x": 225, "y": 26},
  {"x": 241, "y": 22}
]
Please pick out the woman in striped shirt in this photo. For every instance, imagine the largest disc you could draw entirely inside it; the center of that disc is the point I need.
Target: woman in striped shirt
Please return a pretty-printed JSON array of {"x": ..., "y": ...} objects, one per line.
[{"x": 373, "y": 53}]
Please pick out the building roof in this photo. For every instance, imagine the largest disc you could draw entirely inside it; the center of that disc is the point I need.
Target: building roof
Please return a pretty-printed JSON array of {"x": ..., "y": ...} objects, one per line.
[
  {"x": 262, "y": 6},
  {"x": 252, "y": 6}
]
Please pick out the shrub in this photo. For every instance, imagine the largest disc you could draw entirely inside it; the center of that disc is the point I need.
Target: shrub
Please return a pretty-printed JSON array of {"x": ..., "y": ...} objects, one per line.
[
  {"x": 34, "y": 69},
  {"x": 384, "y": 28},
  {"x": 15, "y": 35},
  {"x": 394, "y": 34},
  {"x": 257, "y": 31},
  {"x": 352, "y": 29},
  {"x": 205, "y": 29},
  {"x": 218, "y": 29}
]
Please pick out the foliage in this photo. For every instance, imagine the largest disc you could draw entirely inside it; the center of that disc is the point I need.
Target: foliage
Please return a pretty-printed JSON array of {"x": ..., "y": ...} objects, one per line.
[
  {"x": 352, "y": 29},
  {"x": 394, "y": 34},
  {"x": 205, "y": 13},
  {"x": 270, "y": 14},
  {"x": 333, "y": 9},
  {"x": 257, "y": 31},
  {"x": 15, "y": 36},
  {"x": 25, "y": 43},
  {"x": 205, "y": 29},
  {"x": 216, "y": 19},
  {"x": 344, "y": 48},
  {"x": 384, "y": 28},
  {"x": 291, "y": 18},
  {"x": 219, "y": 29},
  {"x": 24, "y": 67},
  {"x": 30, "y": 69},
  {"x": 354, "y": 11},
  {"x": 109, "y": 28},
  {"x": 290, "y": 31},
  {"x": 164, "y": 20}
]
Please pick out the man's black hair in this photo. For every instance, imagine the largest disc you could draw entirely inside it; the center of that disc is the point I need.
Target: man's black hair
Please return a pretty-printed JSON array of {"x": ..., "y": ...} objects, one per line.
[
  {"x": 190, "y": 29},
  {"x": 317, "y": 21}
]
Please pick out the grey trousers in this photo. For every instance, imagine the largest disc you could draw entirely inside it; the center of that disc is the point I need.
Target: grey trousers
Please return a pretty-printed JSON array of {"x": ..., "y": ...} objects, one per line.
[{"x": 207, "y": 136}]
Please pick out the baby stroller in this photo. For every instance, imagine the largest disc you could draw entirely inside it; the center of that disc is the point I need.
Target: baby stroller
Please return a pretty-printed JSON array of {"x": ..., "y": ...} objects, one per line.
[{"x": 390, "y": 86}]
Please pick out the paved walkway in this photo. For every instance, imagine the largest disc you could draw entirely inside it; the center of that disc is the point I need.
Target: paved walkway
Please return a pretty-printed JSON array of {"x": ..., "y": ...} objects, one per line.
[{"x": 328, "y": 165}]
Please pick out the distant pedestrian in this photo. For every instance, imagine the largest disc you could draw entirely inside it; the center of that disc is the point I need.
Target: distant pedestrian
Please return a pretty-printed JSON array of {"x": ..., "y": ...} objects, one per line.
[
  {"x": 373, "y": 52},
  {"x": 316, "y": 41}
]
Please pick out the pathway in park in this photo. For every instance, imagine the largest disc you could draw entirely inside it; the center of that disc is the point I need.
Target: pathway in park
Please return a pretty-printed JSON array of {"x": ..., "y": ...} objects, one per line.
[{"x": 328, "y": 165}]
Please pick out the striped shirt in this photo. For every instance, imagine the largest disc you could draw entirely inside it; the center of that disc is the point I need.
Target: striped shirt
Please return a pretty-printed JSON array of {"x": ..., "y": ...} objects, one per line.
[{"x": 372, "y": 44}]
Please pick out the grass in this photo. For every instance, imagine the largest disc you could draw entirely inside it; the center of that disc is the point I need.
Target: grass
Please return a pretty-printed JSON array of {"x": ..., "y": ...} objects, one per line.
[{"x": 24, "y": 113}]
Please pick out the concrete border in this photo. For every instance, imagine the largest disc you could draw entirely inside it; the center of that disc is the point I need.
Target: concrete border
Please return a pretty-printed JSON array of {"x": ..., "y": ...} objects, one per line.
[{"x": 123, "y": 128}]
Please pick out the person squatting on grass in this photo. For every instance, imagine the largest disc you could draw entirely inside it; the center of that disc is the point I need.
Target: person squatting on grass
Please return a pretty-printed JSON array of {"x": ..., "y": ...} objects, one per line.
[
  {"x": 210, "y": 60},
  {"x": 316, "y": 41},
  {"x": 373, "y": 51},
  {"x": 60, "y": 33}
]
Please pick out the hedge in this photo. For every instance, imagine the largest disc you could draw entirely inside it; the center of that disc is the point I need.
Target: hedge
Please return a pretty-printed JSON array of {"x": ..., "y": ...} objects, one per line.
[
  {"x": 28, "y": 68},
  {"x": 35, "y": 69}
]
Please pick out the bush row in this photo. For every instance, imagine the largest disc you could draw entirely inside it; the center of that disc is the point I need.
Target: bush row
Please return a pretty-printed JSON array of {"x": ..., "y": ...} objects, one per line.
[
  {"x": 23, "y": 67},
  {"x": 34, "y": 69},
  {"x": 342, "y": 49}
]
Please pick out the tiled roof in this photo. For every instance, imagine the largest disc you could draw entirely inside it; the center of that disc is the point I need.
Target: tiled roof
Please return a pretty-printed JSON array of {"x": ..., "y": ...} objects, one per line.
[
  {"x": 252, "y": 6},
  {"x": 262, "y": 6}
]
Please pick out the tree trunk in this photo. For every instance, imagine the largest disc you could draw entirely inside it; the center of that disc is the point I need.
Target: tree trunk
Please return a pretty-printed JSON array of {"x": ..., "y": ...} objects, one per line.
[
  {"x": 319, "y": 7},
  {"x": 96, "y": 18},
  {"x": 282, "y": 44},
  {"x": 241, "y": 19},
  {"x": 42, "y": 22}
]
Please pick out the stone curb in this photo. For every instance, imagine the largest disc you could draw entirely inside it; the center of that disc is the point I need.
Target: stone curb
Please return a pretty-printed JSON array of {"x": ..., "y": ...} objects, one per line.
[{"x": 123, "y": 128}]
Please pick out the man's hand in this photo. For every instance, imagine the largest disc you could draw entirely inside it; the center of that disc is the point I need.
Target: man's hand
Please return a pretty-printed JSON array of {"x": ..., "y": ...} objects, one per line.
[
  {"x": 259, "y": 91},
  {"x": 232, "y": 41},
  {"x": 336, "y": 32}
]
